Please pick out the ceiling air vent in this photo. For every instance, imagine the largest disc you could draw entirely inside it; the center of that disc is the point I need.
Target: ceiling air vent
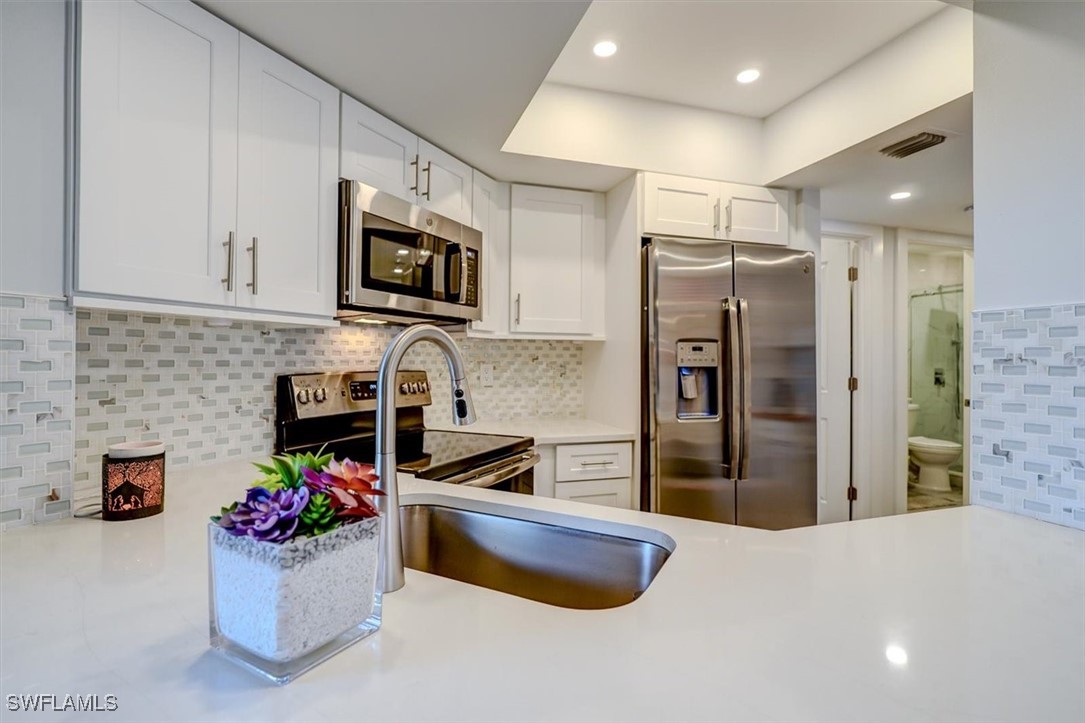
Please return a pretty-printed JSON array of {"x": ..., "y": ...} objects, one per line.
[{"x": 915, "y": 144}]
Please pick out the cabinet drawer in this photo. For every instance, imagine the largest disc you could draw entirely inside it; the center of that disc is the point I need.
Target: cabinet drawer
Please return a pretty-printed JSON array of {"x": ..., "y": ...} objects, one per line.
[
  {"x": 607, "y": 492},
  {"x": 593, "y": 461}
]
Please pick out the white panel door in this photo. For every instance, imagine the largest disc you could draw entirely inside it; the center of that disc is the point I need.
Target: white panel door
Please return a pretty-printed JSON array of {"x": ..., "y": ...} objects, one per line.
[
  {"x": 556, "y": 261},
  {"x": 376, "y": 151},
  {"x": 490, "y": 215},
  {"x": 755, "y": 215},
  {"x": 287, "y": 185},
  {"x": 833, "y": 369},
  {"x": 158, "y": 151},
  {"x": 445, "y": 185},
  {"x": 680, "y": 206}
]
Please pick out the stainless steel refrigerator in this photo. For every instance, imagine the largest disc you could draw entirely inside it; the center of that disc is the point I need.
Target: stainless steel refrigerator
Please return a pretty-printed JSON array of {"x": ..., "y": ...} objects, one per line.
[{"x": 729, "y": 430}]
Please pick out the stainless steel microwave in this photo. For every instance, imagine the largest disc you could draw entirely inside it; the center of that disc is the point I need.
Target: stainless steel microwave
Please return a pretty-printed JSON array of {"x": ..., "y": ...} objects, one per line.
[{"x": 402, "y": 262}]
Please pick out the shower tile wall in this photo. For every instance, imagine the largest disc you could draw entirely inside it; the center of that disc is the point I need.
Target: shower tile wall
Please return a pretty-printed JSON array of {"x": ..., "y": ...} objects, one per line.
[
  {"x": 1028, "y": 412},
  {"x": 37, "y": 365},
  {"x": 209, "y": 392},
  {"x": 936, "y": 344}
]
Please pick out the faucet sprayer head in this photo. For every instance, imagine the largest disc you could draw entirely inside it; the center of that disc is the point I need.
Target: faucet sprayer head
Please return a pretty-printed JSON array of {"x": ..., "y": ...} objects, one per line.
[{"x": 463, "y": 409}]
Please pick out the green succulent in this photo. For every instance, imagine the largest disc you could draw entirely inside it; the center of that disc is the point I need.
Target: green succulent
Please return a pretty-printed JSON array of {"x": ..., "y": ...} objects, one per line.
[
  {"x": 285, "y": 469},
  {"x": 318, "y": 516}
]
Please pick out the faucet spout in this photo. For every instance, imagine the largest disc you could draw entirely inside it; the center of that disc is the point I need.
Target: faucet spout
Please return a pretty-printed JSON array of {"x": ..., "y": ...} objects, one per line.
[{"x": 390, "y": 573}]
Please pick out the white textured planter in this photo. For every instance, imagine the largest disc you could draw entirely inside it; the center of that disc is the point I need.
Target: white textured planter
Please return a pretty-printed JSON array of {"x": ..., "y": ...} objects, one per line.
[{"x": 280, "y": 609}]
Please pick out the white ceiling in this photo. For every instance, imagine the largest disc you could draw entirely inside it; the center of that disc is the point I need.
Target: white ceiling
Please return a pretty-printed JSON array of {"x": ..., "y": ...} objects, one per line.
[
  {"x": 856, "y": 183},
  {"x": 688, "y": 52},
  {"x": 457, "y": 73}
]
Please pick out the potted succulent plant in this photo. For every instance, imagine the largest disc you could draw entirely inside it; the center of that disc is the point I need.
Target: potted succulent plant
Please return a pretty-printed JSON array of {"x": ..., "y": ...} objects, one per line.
[{"x": 294, "y": 565}]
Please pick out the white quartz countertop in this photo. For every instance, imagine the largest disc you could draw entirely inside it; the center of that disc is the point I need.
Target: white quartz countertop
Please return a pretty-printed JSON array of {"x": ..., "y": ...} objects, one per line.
[
  {"x": 546, "y": 430},
  {"x": 740, "y": 624}
]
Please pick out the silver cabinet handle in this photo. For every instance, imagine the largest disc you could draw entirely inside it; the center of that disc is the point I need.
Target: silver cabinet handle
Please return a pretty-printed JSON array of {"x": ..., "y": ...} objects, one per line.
[
  {"x": 415, "y": 164},
  {"x": 734, "y": 392},
  {"x": 598, "y": 464},
  {"x": 716, "y": 218},
  {"x": 254, "y": 249},
  {"x": 228, "y": 244},
  {"x": 728, "y": 217},
  {"x": 428, "y": 170},
  {"x": 517, "y": 309}
]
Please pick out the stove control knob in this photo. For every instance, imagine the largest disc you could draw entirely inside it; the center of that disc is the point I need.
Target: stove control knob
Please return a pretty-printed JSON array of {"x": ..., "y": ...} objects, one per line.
[
  {"x": 320, "y": 394},
  {"x": 303, "y": 396},
  {"x": 414, "y": 387},
  {"x": 404, "y": 388},
  {"x": 423, "y": 386}
]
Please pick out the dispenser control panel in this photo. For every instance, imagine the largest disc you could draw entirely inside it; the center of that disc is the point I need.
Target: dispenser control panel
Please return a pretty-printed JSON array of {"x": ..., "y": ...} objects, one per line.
[{"x": 698, "y": 353}]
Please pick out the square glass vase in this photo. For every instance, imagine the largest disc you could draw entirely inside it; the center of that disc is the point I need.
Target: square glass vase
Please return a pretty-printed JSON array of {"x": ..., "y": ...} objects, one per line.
[{"x": 281, "y": 609}]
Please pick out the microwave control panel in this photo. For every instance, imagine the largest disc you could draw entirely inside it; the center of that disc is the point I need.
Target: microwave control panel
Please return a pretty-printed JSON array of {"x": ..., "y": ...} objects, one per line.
[{"x": 471, "y": 295}]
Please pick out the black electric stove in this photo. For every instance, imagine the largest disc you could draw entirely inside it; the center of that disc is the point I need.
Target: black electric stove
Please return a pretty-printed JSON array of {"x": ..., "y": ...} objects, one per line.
[{"x": 337, "y": 411}]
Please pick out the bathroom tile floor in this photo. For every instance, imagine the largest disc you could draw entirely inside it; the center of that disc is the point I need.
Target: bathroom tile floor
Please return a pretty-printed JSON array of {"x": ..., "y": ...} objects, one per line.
[{"x": 920, "y": 500}]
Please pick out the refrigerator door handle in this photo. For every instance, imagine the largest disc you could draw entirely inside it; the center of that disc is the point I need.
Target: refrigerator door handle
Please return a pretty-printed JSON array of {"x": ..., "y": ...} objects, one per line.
[
  {"x": 734, "y": 380},
  {"x": 747, "y": 378}
]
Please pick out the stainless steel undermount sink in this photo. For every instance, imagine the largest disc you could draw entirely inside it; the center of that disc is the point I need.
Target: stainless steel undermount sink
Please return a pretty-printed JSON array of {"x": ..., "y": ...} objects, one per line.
[{"x": 532, "y": 554}]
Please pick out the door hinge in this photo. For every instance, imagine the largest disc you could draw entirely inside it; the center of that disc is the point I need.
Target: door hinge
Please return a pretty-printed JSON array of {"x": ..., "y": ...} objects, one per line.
[
  {"x": 853, "y": 494},
  {"x": 853, "y": 384},
  {"x": 853, "y": 273}
]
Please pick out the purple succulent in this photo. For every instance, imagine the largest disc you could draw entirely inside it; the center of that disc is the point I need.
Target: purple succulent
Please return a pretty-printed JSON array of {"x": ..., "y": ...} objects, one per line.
[{"x": 268, "y": 516}]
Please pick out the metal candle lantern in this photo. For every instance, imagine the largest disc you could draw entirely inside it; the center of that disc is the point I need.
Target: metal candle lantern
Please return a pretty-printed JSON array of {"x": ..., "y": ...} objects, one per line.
[{"x": 133, "y": 480}]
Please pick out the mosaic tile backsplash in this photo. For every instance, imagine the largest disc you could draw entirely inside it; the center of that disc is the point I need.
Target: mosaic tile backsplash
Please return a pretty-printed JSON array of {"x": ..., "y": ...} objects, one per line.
[
  {"x": 1028, "y": 412},
  {"x": 208, "y": 392},
  {"x": 37, "y": 368}
]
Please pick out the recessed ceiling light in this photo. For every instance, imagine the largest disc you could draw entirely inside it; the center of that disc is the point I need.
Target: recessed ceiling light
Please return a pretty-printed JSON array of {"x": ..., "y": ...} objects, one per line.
[
  {"x": 605, "y": 48},
  {"x": 748, "y": 76},
  {"x": 896, "y": 655},
  {"x": 900, "y": 195}
]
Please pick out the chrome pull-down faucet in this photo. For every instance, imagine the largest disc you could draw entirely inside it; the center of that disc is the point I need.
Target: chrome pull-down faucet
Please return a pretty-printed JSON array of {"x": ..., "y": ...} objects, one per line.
[{"x": 390, "y": 572}]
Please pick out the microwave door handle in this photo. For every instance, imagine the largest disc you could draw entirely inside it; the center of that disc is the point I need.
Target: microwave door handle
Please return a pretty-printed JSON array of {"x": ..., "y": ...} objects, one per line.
[
  {"x": 733, "y": 363},
  {"x": 453, "y": 271}
]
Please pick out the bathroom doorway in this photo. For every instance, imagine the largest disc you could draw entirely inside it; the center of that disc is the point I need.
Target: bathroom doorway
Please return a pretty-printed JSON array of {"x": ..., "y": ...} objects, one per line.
[{"x": 938, "y": 313}]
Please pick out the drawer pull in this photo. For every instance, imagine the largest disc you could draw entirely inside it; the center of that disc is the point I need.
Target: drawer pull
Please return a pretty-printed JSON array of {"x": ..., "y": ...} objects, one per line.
[{"x": 597, "y": 464}]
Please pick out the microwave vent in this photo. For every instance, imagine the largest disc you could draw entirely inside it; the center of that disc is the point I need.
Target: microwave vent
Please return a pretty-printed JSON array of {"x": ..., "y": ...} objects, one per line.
[{"x": 915, "y": 144}]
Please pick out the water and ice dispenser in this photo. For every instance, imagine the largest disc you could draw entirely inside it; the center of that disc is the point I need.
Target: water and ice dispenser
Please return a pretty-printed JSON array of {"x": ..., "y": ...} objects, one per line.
[{"x": 698, "y": 364}]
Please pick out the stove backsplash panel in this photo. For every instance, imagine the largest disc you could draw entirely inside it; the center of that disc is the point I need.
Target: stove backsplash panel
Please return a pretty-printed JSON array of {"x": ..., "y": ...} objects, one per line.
[{"x": 209, "y": 392}]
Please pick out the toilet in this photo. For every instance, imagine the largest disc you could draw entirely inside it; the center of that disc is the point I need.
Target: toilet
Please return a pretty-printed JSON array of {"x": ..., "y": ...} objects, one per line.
[{"x": 933, "y": 456}]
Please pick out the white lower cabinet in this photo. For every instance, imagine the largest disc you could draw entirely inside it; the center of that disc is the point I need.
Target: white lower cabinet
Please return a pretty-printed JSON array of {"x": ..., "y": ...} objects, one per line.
[{"x": 599, "y": 474}]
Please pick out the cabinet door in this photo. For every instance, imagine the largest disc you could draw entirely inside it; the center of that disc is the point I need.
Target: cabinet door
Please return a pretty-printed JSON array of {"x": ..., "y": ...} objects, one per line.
[
  {"x": 607, "y": 492},
  {"x": 378, "y": 152},
  {"x": 755, "y": 214},
  {"x": 490, "y": 215},
  {"x": 158, "y": 151},
  {"x": 556, "y": 262},
  {"x": 680, "y": 206},
  {"x": 287, "y": 185},
  {"x": 445, "y": 183}
]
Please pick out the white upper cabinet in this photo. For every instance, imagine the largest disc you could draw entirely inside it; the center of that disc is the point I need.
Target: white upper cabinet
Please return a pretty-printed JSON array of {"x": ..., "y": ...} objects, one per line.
[
  {"x": 754, "y": 214},
  {"x": 557, "y": 262},
  {"x": 490, "y": 215},
  {"x": 287, "y": 186},
  {"x": 376, "y": 151},
  {"x": 445, "y": 183},
  {"x": 158, "y": 151},
  {"x": 699, "y": 208},
  {"x": 681, "y": 206}
]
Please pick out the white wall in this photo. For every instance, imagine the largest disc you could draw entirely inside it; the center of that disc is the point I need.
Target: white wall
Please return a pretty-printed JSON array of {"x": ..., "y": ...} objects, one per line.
[
  {"x": 612, "y": 370},
  {"x": 32, "y": 147},
  {"x": 621, "y": 130},
  {"x": 924, "y": 68},
  {"x": 1029, "y": 112}
]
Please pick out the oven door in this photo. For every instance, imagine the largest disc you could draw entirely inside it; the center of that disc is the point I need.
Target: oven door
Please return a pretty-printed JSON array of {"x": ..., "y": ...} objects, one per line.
[{"x": 515, "y": 474}]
